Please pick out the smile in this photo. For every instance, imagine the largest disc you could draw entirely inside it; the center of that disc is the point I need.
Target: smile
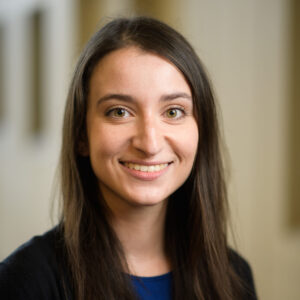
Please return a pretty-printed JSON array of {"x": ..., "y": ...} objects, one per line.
[
  {"x": 145, "y": 171},
  {"x": 144, "y": 168}
]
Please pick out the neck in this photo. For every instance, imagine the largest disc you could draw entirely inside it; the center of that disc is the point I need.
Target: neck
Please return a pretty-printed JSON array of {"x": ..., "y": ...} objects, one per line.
[{"x": 141, "y": 233}]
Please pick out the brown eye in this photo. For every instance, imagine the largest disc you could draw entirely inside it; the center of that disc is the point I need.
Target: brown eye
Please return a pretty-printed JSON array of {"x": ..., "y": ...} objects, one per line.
[
  {"x": 174, "y": 113},
  {"x": 118, "y": 112}
]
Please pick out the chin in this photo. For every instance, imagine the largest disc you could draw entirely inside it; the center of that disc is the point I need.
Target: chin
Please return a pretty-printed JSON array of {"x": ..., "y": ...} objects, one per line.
[{"x": 146, "y": 201}]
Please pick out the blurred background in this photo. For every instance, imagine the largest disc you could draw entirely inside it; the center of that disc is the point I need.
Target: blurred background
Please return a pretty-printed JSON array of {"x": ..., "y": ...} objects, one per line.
[{"x": 252, "y": 52}]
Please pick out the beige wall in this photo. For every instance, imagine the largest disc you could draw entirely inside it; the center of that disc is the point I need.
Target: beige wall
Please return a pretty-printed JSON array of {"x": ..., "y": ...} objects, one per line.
[
  {"x": 247, "y": 48},
  {"x": 28, "y": 158}
]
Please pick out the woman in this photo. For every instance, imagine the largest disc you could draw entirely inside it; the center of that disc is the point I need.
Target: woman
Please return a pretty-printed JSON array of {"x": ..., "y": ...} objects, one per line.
[{"x": 144, "y": 199}]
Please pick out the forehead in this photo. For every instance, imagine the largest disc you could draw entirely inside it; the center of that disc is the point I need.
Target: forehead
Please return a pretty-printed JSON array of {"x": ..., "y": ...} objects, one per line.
[{"x": 132, "y": 67}]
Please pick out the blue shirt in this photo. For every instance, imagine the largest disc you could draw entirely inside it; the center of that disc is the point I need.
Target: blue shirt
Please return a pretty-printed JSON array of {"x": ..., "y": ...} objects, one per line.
[{"x": 153, "y": 288}]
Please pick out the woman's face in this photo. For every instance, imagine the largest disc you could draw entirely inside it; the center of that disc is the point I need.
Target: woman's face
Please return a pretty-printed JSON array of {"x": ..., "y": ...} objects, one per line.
[{"x": 142, "y": 134}]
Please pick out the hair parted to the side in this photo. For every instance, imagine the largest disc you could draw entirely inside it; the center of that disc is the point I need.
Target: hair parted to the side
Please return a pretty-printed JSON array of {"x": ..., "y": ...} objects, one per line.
[{"x": 195, "y": 231}]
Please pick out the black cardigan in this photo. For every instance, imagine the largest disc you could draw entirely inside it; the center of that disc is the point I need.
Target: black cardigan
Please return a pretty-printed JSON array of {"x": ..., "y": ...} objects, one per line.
[{"x": 33, "y": 271}]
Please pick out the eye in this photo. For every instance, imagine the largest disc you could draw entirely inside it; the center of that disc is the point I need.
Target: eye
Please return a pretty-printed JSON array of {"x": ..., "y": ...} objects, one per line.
[
  {"x": 118, "y": 112},
  {"x": 175, "y": 113}
]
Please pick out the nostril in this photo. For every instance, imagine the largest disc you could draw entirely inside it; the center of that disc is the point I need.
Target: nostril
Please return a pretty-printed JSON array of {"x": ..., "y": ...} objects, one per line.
[{"x": 148, "y": 143}]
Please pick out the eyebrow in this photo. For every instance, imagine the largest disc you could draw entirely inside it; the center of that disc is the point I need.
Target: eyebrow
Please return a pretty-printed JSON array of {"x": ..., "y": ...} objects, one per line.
[{"x": 128, "y": 98}]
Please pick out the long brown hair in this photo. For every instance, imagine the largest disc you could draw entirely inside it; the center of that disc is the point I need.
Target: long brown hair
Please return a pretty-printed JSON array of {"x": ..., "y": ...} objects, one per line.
[{"x": 195, "y": 230}]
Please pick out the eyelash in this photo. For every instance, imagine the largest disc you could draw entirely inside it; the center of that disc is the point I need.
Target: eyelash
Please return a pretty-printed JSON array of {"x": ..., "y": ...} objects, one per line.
[
  {"x": 114, "y": 109},
  {"x": 177, "y": 109},
  {"x": 180, "y": 109}
]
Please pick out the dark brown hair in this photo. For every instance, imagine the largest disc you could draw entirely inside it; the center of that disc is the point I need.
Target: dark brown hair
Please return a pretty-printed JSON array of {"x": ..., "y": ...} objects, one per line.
[{"x": 195, "y": 230}]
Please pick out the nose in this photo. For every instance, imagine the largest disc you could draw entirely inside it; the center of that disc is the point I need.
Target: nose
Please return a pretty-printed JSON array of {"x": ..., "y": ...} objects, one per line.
[{"x": 148, "y": 137}]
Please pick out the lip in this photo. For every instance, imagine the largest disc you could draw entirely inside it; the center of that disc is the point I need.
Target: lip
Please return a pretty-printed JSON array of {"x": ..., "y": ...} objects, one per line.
[
  {"x": 142, "y": 175},
  {"x": 145, "y": 163}
]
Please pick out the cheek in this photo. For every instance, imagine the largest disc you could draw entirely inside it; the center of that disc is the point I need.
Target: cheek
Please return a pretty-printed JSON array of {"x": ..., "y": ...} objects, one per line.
[
  {"x": 105, "y": 142},
  {"x": 187, "y": 142}
]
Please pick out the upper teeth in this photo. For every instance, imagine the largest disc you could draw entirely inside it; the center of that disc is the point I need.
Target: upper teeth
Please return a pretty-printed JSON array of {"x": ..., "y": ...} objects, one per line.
[{"x": 143, "y": 168}]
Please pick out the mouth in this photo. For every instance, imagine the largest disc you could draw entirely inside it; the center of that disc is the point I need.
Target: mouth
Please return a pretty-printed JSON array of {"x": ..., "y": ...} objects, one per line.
[{"x": 145, "y": 168}]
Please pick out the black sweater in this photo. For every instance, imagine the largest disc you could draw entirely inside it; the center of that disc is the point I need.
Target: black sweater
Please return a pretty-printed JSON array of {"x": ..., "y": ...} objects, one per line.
[{"x": 35, "y": 271}]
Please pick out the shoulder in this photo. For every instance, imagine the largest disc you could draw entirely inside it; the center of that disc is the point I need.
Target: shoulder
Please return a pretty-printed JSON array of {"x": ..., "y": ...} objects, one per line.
[
  {"x": 243, "y": 270},
  {"x": 32, "y": 271}
]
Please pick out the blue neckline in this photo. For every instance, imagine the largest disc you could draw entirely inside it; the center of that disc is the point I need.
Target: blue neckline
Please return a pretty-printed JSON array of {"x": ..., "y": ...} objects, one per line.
[{"x": 152, "y": 278}]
